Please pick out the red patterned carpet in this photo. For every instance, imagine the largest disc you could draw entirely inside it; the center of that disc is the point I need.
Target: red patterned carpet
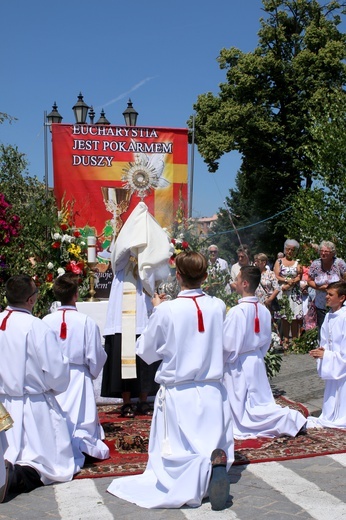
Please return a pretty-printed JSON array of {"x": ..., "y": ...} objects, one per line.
[{"x": 128, "y": 443}]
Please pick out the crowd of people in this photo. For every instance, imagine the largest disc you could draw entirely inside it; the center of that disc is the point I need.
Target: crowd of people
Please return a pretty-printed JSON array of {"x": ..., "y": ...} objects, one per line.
[{"x": 205, "y": 365}]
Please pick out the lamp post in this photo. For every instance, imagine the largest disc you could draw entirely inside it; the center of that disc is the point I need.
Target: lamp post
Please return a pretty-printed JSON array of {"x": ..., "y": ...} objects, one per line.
[
  {"x": 80, "y": 110},
  {"x": 91, "y": 115},
  {"x": 52, "y": 117},
  {"x": 102, "y": 119},
  {"x": 130, "y": 114}
]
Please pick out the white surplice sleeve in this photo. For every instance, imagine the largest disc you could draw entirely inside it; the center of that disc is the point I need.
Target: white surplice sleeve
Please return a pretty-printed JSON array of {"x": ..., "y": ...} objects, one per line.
[
  {"x": 333, "y": 365},
  {"x": 95, "y": 355},
  {"x": 152, "y": 338},
  {"x": 234, "y": 334},
  {"x": 55, "y": 366}
]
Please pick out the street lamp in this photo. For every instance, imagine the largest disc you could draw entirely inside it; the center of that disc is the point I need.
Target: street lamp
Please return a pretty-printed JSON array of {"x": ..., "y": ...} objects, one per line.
[
  {"x": 80, "y": 110},
  {"x": 52, "y": 117},
  {"x": 102, "y": 119},
  {"x": 92, "y": 115},
  {"x": 130, "y": 114}
]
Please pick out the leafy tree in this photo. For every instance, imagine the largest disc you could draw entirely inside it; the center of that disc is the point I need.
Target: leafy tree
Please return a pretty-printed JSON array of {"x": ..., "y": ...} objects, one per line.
[
  {"x": 270, "y": 110},
  {"x": 320, "y": 214}
]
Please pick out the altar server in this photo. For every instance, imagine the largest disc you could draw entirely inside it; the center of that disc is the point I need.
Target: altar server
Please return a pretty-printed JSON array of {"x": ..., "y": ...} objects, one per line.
[
  {"x": 191, "y": 436},
  {"x": 331, "y": 360},
  {"x": 247, "y": 338},
  {"x": 80, "y": 341},
  {"x": 32, "y": 371},
  {"x": 139, "y": 262}
]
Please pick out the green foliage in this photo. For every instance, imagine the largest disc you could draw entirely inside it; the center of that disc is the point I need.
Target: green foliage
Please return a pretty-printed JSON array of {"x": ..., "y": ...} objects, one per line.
[
  {"x": 306, "y": 342},
  {"x": 273, "y": 360},
  {"x": 271, "y": 109},
  {"x": 319, "y": 214}
]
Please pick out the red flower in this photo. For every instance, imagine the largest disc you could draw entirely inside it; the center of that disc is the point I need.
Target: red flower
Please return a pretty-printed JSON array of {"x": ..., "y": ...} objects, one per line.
[
  {"x": 76, "y": 233},
  {"x": 56, "y": 245},
  {"x": 185, "y": 245},
  {"x": 173, "y": 241},
  {"x": 49, "y": 277},
  {"x": 63, "y": 227},
  {"x": 75, "y": 267}
]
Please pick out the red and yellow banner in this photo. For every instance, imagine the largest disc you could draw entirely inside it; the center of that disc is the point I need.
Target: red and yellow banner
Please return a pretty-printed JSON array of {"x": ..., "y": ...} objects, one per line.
[{"x": 107, "y": 170}]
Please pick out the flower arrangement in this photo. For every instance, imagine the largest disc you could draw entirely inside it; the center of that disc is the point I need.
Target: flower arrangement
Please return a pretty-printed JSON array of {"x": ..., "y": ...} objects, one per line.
[
  {"x": 65, "y": 251},
  {"x": 179, "y": 246}
]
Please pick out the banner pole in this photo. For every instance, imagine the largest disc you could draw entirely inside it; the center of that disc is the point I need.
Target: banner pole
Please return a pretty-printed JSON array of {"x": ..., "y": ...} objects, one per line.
[{"x": 192, "y": 166}]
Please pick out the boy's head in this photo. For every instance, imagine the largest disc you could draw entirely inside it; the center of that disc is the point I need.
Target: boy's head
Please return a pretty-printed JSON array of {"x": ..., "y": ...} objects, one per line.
[
  {"x": 192, "y": 268},
  {"x": 336, "y": 295},
  {"x": 65, "y": 288},
  {"x": 21, "y": 290},
  {"x": 248, "y": 280}
]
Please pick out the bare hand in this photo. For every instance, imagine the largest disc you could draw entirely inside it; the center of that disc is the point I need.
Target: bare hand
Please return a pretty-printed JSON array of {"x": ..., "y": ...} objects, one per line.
[
  {"x": 317, "y": 353},
  {"x": 157, "y": 299},
  {"x": 322, "y": 287}
]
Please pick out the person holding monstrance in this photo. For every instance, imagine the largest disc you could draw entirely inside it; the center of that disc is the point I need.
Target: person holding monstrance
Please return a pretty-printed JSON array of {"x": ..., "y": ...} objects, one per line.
[{"x": 139, "y": 262}]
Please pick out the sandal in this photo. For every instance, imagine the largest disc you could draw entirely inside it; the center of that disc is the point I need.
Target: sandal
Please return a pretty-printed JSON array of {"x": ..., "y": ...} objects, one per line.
[
  {"x": 126, "y": 411},
  {"x": 144, "y": 408}
]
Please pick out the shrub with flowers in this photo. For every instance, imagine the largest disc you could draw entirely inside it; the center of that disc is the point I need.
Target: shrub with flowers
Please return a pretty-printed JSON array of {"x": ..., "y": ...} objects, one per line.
[{"x": 9, "y": 222}]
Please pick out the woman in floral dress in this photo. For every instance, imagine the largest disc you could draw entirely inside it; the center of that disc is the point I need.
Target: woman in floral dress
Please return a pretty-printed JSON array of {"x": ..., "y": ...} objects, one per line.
[
  {"x": 269, "y": 287},
  {"x": 288, "y": 272}
]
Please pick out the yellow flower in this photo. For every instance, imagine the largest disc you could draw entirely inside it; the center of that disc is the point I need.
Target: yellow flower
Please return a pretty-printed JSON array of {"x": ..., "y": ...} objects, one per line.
[{"x": 74, "y": 250}]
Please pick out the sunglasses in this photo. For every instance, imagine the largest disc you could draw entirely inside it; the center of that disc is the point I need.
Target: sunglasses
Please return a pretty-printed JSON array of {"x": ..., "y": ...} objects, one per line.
[{"x": 33, "y": 294}]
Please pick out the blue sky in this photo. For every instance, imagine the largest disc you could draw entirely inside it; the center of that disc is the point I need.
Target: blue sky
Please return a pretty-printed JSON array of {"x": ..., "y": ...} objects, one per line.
[{"x": 160, "y": 54}]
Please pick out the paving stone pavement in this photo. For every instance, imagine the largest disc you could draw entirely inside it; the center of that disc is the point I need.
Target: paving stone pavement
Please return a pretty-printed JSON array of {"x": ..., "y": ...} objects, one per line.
[{"x": 298, "y": 380}]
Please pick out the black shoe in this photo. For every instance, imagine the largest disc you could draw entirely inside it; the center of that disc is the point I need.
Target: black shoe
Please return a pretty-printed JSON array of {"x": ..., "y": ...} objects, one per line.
[
  {"x": 219, "y": 482},
  {"x": 303, "y": 430},
  {"x": 4, "y": 489}
]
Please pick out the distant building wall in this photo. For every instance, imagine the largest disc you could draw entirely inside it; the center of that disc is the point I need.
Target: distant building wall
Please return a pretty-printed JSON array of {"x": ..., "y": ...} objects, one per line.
[{"x": 205, "y": 224}]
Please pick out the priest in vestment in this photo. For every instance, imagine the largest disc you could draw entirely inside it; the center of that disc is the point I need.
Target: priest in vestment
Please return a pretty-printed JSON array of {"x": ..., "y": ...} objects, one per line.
[
  {"x": 247, "y": 338},
  {"x": 139, "y": 261}
]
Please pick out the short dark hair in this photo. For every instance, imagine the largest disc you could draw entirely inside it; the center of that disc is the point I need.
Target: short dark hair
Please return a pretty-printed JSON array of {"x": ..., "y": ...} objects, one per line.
[
  {"x": 252, "y": 275},
  {"x": 18, "y": 289},
  {"x": 65, "y": 287},
  {"x": 192, "y": 267},
  {"x": 244, "y": 249},
  {"x": 339, "y": 286}
]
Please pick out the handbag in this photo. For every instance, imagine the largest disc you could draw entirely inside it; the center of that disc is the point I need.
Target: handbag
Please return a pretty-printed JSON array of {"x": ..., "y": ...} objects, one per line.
[
  {"x": 275, "y": 304},
  {"x": 310, "y": 318}
]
